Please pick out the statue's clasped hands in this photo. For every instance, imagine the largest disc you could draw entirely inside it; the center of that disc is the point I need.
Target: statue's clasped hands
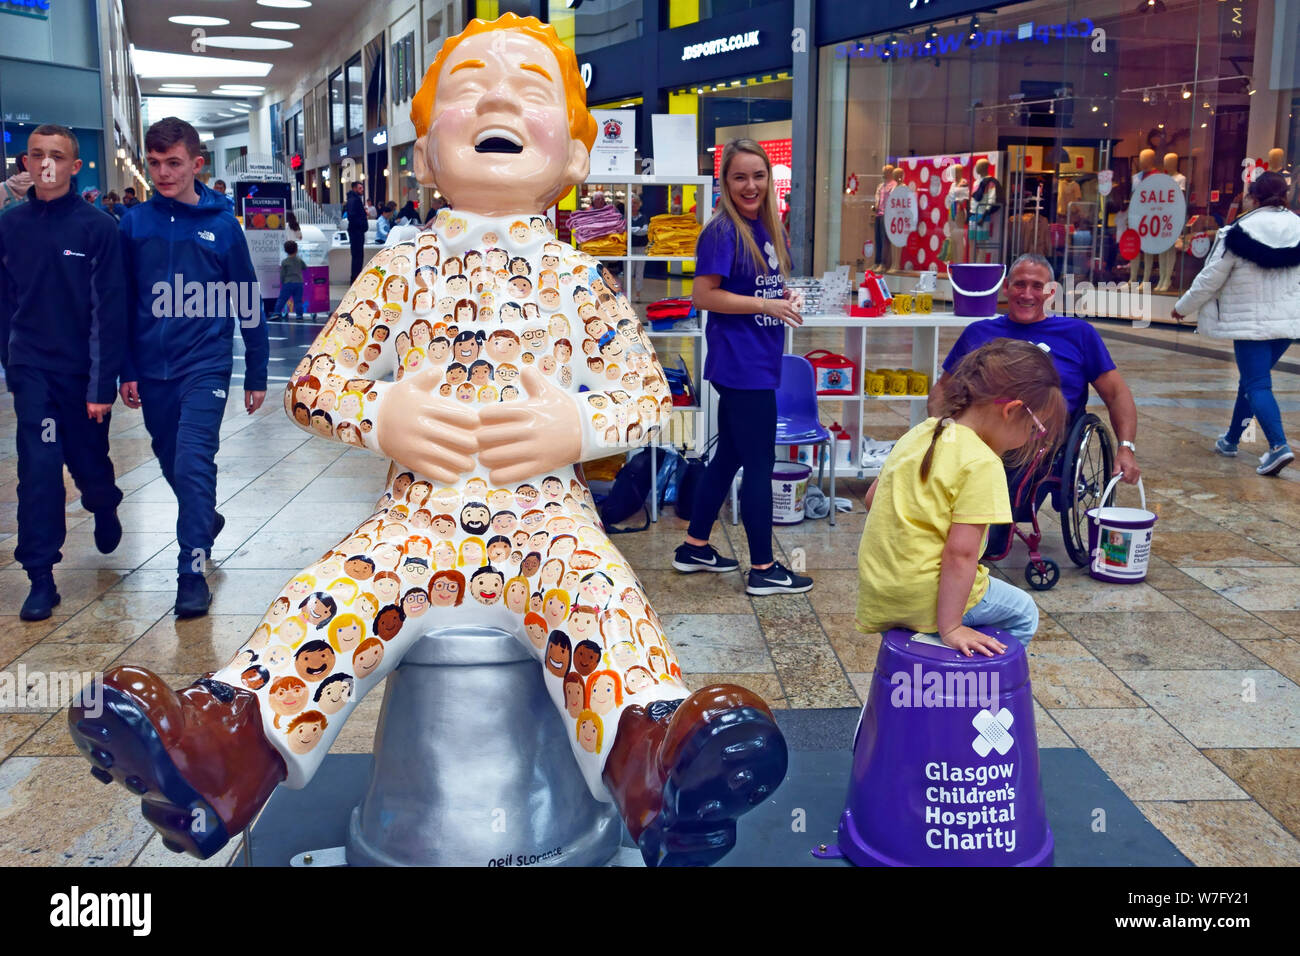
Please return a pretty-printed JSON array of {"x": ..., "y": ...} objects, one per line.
[{"x": 437, "y": 437}]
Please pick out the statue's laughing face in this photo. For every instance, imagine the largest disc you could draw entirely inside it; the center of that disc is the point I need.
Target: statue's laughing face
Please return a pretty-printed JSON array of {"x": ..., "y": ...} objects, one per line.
[{"x": 499, "y": 139}]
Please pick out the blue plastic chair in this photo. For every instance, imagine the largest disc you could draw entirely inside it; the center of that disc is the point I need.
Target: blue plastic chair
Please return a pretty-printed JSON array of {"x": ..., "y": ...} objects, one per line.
[{"x": 797, "y": 423}]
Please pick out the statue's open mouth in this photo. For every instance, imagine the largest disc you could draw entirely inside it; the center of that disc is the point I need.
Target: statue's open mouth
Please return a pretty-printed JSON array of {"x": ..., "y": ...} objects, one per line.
[{"x": 497, "y": 141}]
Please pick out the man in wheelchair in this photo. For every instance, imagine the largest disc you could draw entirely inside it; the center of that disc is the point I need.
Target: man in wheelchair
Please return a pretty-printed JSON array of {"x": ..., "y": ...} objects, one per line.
[{"x": 1081, "y": 359}]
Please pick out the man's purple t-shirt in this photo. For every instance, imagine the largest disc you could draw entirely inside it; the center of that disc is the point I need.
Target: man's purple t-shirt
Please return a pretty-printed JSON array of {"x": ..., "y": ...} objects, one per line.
[
  {"x": 1075, "y": 348},
  {"x": 744, "y": 350}
]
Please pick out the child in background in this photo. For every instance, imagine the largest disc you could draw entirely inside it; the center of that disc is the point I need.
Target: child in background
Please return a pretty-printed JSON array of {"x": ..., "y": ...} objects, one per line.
[
  {"x": 940, "y": 489},
  {"x": 291, "y": 267}
]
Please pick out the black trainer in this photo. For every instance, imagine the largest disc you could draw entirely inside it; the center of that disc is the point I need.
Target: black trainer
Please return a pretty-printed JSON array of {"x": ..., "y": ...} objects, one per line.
[
  {"x": 689, "y": 558},
  {"x": 42, "y": 599},
  {"x": 777, "y": 579},
  {"x": 192, "y": 595},
  {"x": 108, "y": 532},
  {"x": 217, "y": 525}
]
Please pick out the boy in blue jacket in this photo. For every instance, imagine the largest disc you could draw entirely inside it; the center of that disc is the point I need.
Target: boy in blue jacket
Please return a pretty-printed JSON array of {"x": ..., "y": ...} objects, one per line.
[
  {"x": 62, "y": 318},
  {"x": 190, "y": 280}
]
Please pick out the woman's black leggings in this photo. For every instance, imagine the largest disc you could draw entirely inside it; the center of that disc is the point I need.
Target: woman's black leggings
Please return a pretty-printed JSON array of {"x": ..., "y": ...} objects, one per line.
[{"x": 746, "y": 436}]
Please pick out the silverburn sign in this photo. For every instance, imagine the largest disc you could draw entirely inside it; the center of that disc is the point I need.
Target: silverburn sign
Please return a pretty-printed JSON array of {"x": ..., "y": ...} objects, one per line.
[{"x": 27, "y": 8}]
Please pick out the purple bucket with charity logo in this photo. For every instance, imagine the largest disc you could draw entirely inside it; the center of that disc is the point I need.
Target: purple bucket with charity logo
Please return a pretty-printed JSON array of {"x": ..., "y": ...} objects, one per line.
[
  {"x": 975, "y": 288},
  {"x": 945, "y": 761}
]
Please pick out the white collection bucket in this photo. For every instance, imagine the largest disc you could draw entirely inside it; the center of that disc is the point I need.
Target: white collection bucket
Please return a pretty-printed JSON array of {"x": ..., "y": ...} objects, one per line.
[
  {"x": 789, "y": 483},
  {"x": 1119, "y": 539}
]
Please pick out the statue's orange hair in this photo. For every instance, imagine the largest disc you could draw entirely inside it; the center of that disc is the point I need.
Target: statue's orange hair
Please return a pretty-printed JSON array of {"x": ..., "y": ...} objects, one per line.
[{"x": 582, "y": 125}]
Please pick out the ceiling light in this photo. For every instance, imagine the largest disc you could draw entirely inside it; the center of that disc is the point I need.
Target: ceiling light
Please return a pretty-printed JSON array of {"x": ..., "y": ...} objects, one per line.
[
  {"x": 1095, "y": 107},
  {"x": 862, "y": 48},
  {"x": 972, "y": 34},
  {"x": 156, "y": 64},
  {"x": 1251, "y": 92},
  {"x": 207, "y": 137},
  {"x": 242, "y": 87},
  {"x": 241, "y": 107},
  {"x": 931, "y": 37},
  {"x": 285, "y": 4},
  {"x": 179, "y": 87},
  {"x": 227, "y": 115},
  {"x": 246, "y": 43},
  {"x": 1203, "y": 125},
  {"x": 1160, "y": 125},
  {"x": 1187, "y": 94},
  {"x": 199, "y": 21},
  {"x": 273, "y": 25},
  {"x": 1206, "y": 104}
]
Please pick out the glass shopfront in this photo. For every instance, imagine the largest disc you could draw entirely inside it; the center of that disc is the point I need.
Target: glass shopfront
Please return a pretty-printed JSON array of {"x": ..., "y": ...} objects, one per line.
[{"x": 1032, "y": 128}]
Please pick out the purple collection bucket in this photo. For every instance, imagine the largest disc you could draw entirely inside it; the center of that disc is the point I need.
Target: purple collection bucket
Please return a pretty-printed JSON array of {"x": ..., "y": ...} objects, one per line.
[
  {"x": 975, "y": 288},
  {"x": 1119, "y": 539},
  {"x": 945, "y": 761}
]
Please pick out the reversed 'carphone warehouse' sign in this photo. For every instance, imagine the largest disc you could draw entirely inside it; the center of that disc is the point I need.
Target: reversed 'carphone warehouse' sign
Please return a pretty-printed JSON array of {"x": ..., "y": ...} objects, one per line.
[{"x": 737, "y": 41}]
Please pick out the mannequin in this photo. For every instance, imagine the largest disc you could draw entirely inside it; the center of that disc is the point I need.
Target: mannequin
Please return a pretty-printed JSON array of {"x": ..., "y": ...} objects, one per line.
[
  {"x": 886, "y": 186},
  {"x": 1146, "y": 166},
  {"x": 958, "y": 215},
  {"x": 985, "y": 204},
  {"x": 896, "y": 252},
  {"x": 1169, "y": 257},
  {"x": 1277, "y": 164}
]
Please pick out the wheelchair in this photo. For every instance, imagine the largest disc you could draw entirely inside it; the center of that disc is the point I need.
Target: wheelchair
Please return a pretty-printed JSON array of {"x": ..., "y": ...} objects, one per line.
[{"x": 1075, "y": 481}]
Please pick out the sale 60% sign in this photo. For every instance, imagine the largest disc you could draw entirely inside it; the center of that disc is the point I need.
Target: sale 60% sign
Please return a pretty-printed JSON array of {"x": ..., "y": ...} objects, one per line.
[{"x": 1157, "y": 212}]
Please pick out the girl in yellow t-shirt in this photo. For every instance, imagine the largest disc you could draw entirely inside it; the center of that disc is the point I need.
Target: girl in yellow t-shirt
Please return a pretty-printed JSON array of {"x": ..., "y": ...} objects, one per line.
[{"x": 942, "y": 486}]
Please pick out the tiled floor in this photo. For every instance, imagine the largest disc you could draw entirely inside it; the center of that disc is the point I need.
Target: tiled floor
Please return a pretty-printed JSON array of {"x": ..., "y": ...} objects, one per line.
[{"x": 1183, "y": 688}]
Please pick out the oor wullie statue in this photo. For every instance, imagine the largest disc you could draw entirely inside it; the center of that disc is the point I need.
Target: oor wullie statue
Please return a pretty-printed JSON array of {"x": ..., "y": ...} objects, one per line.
[{"x": 492, "y": 329}]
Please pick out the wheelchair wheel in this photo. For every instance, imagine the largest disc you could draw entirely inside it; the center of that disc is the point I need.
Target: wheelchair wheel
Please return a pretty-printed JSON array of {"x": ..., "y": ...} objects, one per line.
[
  {"x": 1042, "y": 574},
  {"x": 1087, "y": 466}
]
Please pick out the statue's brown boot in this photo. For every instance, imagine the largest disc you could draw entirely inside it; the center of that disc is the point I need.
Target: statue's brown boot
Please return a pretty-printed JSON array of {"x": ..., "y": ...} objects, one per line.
[
  {"x": 681, "y": 777},
  {"x": 197, "y": 757}
]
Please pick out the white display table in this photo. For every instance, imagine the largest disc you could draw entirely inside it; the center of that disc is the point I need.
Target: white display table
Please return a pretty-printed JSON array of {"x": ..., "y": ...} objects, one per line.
[{"x": 925, "y": 358}]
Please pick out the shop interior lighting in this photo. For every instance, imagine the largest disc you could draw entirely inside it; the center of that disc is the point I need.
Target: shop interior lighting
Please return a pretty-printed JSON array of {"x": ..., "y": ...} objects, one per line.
[
  {"x": 862, "y": 48},
  {"x": 931, "y": 38},
  {"x": 973, "y": 32},
  {"x": 1146, "y": 6},
  {"x": 1186, "y": 94}
]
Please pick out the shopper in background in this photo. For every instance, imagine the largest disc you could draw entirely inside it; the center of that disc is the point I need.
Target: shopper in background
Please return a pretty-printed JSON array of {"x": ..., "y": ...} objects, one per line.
[
  {"x": 14, "y": 189},
  {"x": 220, "y": 188},
  {"x": 639, "y": 227},
  {"x": 408, "y": 216},
  {"x": 385, "y": 224},
  {"x": 742, "y": 258},
  {"x": 291, "y": 267},
  {"x": 294, "y": 230},
  {"x": 1247, "y": 292},
  {"x": 128, "y": 197},
  {"x": 178, "y": 367},
  {"x": 62, "y": 322},
  {"x": 355, "y": 211}
]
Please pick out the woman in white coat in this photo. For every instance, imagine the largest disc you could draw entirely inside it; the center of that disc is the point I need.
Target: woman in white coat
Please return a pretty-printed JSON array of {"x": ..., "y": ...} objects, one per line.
[{"x": 1249, "y": 291}]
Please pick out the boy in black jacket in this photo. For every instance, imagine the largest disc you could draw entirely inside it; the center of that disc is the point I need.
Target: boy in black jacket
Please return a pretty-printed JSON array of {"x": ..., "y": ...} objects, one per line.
[{"x": 62, "y": 324}]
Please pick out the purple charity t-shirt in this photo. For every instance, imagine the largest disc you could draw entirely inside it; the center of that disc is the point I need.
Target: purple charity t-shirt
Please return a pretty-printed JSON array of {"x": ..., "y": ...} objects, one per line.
[
  {"x": 744, "y": 350},
  {"x": 1075, "y": 347}
]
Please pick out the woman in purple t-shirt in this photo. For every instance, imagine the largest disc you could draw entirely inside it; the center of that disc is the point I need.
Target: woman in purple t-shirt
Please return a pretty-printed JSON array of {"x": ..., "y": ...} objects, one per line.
[{"x": 740, "y": 271}]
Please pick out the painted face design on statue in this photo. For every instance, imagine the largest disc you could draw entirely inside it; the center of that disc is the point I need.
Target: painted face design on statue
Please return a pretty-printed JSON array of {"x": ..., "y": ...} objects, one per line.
[
  {"x": 604, "y": 690},
  {"x": 389, "y": 622},
  {"x": 586, "y": 657},
  {"x": 367, "y": 658},
  {"x": 557, "y": 654},
  {"x": 486, "y": 585},
  {"x": 314, "y": 660},
  {"x": 334, "y": 694},
  {"x": 475, "y": 518},
  {"x": 288, "y": 695}
]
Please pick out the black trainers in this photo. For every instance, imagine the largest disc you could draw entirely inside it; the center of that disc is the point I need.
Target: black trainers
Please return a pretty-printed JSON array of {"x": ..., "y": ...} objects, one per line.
[
  {"x": 689, "y": 558},
  {"x": 217, "y": 525},
  {"x": 108, "y": 532},
  {"x": 777, "y": 579},
  {"x": 42, "y": 599},
  {"x": 192, "y": 595}
]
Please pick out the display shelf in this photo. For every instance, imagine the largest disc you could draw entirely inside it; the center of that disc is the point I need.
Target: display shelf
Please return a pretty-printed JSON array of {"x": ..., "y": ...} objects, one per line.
[
  {"x": 925, "y": 357},
  {"x": 840, "y": 398},
  {"x": 703, "y": 211}
]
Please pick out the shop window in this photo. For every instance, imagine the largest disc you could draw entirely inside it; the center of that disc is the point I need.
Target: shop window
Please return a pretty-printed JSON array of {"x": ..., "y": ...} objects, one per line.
[
  {"x": 1066, "y": 100},
  {"x": 681, "y": 13},
  {"x": 337, "y": 105},
  {"x": 376, "y": 79},
  {"x": 404, "y": 68},
  {"x": 597, "y": 23},
  {"x": 356, "y": 97}
]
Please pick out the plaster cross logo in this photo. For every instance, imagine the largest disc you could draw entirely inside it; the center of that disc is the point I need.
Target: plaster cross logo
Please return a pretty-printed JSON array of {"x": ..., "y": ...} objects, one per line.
[
  {"x": 770, "y": 251},
  {"x": 613, "y": 129},
  {"x": 204, "y": 234},
  {"x": 992, "y": 732},
  {"x": 73, "y": 252}
]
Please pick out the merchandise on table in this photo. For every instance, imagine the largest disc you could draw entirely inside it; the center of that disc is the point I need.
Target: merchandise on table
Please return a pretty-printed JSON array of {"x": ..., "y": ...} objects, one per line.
[
  {"x": 605, "y": 246},
  {"x": 835, "y": 374},
  {"x": 589, "y": 224},
  {"x": 671, "y": 235},
  {"x": 667, "y": 313}
]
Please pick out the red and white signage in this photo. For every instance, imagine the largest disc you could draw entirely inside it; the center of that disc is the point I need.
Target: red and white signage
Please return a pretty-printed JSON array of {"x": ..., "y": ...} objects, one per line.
[
  {"x": 1158, "y": 212},
  {"x": 780, "y": 152},
  {"x": 900, "y": 215},
  {"x": 1200, "y": 245}
]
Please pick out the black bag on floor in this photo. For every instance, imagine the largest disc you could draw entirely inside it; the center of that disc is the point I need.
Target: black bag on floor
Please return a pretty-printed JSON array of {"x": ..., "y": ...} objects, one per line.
[
  {"x": 689, "y": 476},
  {"x": 627, "y": 495}
]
